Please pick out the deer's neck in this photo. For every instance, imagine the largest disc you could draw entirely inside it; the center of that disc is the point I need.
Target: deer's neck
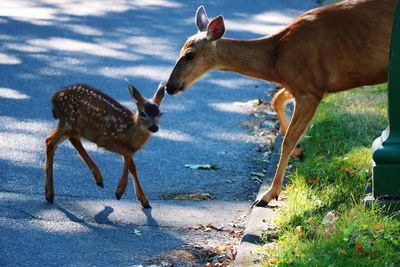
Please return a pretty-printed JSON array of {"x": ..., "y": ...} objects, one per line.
[{"x": 254, "y": 58}]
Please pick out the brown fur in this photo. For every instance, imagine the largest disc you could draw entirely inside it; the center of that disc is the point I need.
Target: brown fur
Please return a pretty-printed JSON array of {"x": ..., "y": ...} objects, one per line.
[{"x": 325, "y": 50}]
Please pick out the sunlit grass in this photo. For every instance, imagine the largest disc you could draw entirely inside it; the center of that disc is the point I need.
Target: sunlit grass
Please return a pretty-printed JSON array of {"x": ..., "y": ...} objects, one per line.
[{"x": 325, "y": 222}]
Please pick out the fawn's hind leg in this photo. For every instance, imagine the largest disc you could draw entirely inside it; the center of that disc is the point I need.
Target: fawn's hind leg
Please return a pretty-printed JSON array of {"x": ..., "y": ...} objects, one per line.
[
  {"x": 52, "y": 141},
  {"x": 88, "y": 160}
]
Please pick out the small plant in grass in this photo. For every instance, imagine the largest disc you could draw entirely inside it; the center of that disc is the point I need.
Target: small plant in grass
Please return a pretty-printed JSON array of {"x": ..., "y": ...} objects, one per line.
[{"x": 325, "y": 222}]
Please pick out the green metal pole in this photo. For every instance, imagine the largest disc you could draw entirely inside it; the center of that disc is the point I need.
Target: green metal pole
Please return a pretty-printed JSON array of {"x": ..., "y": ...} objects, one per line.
[{"x": 386, "y": 148}]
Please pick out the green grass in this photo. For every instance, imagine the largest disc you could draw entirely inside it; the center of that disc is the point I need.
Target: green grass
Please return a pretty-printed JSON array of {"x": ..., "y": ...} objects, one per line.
[{"x": 333, "y": 179}]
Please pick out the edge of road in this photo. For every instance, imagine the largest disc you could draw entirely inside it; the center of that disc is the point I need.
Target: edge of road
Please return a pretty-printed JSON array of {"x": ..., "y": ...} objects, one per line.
[{"x": 259, "y": 219}]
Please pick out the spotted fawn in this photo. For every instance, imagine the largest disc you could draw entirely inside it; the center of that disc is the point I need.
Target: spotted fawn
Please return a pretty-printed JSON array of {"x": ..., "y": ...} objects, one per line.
[{"x": 85, "y": 112}]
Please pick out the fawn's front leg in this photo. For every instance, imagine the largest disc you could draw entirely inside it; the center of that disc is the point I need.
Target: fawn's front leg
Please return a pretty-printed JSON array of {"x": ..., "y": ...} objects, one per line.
[
  {"x": 52, "y": 141},
  {"x": 138, "y": 189},
  {"x": 88, "y": 160},
  {"x": 123, "y": 182}
]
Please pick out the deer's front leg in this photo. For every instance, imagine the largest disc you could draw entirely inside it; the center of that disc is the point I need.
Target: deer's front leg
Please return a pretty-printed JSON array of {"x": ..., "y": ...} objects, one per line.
[
  {"x": 52, "y": 141},
  {"x": 138, "y": 189},
  {"x": 303, "y": 113}
]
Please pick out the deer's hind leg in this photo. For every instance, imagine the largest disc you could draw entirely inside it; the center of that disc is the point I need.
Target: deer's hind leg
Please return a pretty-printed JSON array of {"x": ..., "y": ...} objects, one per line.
[
  {"x": 303, "y": 113},
  {"x": 88, "y": 160},
  {"x": 52, "y": 142},
  {"x": 279, "y": 102}
]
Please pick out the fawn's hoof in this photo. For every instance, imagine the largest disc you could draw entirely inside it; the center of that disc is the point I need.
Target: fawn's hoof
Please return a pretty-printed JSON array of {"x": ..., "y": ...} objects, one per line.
[
  {"x": 260, "y": 203},
  {"x": 118, "y": 195},
  {"x": 50, "y": 199},
  {"x": 100, "y": 184},
  {"x": 146, "y": 205}
]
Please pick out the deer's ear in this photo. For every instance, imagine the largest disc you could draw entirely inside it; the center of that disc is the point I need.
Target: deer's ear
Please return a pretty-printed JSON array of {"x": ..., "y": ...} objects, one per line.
[
  {"x": 159, "y": 94},
  {"x": 135, "y": 94},
  {"x": 216, "y": 29},
  {"x": 201, "y": 19}
]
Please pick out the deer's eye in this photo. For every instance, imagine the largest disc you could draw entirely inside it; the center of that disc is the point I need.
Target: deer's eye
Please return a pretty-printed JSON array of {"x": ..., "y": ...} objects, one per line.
[
  {"x": 189, "y": 55},
  {"x": 142, "y": 114}
]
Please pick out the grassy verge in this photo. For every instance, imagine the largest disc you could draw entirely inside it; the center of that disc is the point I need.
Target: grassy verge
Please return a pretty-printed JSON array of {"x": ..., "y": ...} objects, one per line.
[{"x": 325, "y": 222}]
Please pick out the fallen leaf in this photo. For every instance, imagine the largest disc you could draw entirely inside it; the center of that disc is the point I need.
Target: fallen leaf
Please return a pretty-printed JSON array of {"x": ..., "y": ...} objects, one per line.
[
  {"x": 299, "y": 230},
  {"x": 273, "y": 260},
  {"x": 313, "y": 180},
  {"x": 252, "y": 103},
  {"x": 202, "y": 166},
  {"x": 378, "y": 227},
  {"x": 136, "y": 232},
  {"x": 349, "y": 170},
  {"x": 269, "y": 112},
  {"x": 193, "y": 196},
  {"x": 329, "y": 218},
  {"x": 258, "y": 174},
  {"x": 343, "y": 252},
  {"x": 359, "y": 247}
]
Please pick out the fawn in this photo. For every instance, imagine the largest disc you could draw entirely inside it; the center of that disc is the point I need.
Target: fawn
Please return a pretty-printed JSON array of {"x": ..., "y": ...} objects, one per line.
[
  {"x": 85, "y": 112},
  {"x": 325, "y": 50}
]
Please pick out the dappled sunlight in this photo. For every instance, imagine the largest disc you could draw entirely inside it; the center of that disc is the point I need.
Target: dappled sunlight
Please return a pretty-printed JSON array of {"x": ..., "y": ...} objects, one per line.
[
  {"x": 153, "y": 46},
  {"x": 21, "y": 141},
  {"x": 265, "y": 23},
  {"x": 36, "y": 13},
  {"x": 9, "y": 93},
  {"x": 70, "y": 45},
  {"x": 174, "y": 135},
  {"x": 155, "y": 73},
  {"x": 234, "y": 83},
  {"x": 9, "y": 59},
  {"x": 231, "y": 137},
  {"x": 83, "y": 29},
  {"x": 231, "y": 107},
  {"x": 60, "y": 227}
]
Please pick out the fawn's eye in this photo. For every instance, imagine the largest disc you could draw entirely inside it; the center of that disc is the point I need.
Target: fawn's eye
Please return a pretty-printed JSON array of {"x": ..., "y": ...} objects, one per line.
[
  {"x": 189, "y": 55},
  {"x": 142, "y": 114}
]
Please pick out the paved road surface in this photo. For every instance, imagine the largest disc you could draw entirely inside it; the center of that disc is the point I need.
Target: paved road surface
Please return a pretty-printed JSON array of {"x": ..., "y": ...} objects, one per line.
[{"x": 47, "y": 44}]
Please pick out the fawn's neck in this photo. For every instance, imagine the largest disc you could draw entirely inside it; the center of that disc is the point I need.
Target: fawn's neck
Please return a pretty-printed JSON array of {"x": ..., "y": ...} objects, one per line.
[
  {"x": 254, "y": 58},
  {"x": 139, "y": 135}
]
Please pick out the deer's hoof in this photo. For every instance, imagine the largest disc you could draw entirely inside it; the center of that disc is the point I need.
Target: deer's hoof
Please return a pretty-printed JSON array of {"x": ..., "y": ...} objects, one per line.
[
  {"x": 301, "y": 157},
  {"x": 118, "y": 195},
  {"x": 260, "y": 203},
  {"x": 100, "y": 184}
]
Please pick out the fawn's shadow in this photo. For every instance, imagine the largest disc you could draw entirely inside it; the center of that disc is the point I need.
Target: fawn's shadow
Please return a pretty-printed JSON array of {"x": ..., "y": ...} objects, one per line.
[
  {"x": 102, "y": 216},
  {"x": 149, "y": 217}
]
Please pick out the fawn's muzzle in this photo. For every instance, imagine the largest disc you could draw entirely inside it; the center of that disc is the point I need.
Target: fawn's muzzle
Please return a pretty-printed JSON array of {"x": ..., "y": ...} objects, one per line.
[{"x": 153, "y": 128}]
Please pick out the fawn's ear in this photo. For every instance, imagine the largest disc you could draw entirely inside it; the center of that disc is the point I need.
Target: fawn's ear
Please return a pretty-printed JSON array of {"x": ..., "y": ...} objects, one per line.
[
  {"x": 135, "y": 94},
  {"x": 216, "y": 28},
  {"x": 159, "y": 94},
  {"x": 201, "y": 19}
]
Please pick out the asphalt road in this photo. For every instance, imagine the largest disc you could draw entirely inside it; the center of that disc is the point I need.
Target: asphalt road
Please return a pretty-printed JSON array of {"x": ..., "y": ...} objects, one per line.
[{"x": 45, "y": 45}]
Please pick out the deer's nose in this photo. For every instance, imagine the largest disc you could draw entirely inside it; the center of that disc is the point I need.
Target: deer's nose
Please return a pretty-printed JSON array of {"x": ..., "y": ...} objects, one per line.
[
  {"x": 153, "y": 128},
  {"x": 171, "y": 89}
]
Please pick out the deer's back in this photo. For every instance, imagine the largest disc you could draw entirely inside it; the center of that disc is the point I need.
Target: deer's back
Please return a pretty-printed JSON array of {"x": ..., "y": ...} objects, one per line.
[
  {"x": 90, "y": 113},
  {"x": 337, "y": 47}
]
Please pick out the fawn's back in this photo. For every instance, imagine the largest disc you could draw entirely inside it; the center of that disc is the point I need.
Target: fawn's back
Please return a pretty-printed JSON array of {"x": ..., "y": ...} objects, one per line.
[{"x": 91, "y": 114}]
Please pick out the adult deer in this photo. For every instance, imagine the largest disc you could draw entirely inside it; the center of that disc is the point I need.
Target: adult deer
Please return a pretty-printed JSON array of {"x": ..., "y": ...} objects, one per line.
[
  {"x": 85, "y": 112},
  {"x": 325, "y": 50}
]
